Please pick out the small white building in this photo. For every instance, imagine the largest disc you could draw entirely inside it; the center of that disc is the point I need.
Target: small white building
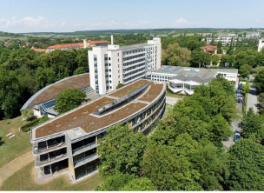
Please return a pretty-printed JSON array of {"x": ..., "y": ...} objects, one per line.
[
  {"x": 261, "y": 44},
  {"x": 114, "y": 64},
  {"x": 184, "y": 79}
]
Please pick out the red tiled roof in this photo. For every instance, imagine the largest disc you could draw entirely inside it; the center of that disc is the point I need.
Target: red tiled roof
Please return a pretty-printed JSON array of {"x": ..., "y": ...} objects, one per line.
[
  {"x": 37, "y": 49},
  {"x": 209, "y": 48},
  {"x": 59, "y": 46}
]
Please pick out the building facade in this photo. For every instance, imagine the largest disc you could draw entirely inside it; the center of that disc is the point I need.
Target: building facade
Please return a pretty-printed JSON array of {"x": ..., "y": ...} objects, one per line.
[
  {"x": 113, "y": 64},
  {"x": 261, "y": 45},
  {"x": 69, "y": 142}
]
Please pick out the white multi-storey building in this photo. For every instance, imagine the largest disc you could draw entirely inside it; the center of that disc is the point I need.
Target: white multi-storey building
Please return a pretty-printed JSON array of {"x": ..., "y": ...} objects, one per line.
[{"x": 114, "y": 64}]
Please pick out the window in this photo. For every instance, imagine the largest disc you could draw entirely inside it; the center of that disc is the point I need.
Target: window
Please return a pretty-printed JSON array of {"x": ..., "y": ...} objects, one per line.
[
  {"x": 110, "y": 87},
  {"x": 109, "y": 64},
  {"x": 117, "y": 54},
  {"x": 95, "y": 58},
  {"x": 109, "y": 58},
  {"x": 118, "y": 60}
]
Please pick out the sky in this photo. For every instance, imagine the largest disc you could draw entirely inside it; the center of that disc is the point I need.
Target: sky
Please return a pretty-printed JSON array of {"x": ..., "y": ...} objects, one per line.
[{"x": 20, "y": 16}]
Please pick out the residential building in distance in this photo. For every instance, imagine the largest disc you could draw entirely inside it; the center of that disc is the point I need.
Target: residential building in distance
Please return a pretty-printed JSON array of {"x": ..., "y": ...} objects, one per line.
[
  {"x": 227, "y": 39},
  {"x": 261, "y": 44},
  {"x": 184, "y": 79},
  {"x": 43, "y": 101},
  {"x": 86, "y": 44},
  {"x": 69, "y": 142},
  {"x": 114, "y": 64}
]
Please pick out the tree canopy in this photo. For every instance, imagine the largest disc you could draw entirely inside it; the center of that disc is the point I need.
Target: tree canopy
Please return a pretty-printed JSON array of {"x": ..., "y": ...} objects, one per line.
[
  {"x": 246, "y": 166},
  {"x": 68, "y": 99}
]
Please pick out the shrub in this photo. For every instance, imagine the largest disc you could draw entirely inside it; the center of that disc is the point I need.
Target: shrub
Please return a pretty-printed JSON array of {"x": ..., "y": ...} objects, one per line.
[{"x": 34, "y": 123}]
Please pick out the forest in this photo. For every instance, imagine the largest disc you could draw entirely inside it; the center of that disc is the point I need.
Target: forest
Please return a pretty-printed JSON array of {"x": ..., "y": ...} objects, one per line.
[{"x": 185, "y": 151}]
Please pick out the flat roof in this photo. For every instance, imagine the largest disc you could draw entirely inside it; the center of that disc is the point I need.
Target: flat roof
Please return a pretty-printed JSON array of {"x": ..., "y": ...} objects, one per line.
[
  {"x": 51, "y": 91},
  {"x": 192, "y": 74},
  {"x": 83, "y": 117},
  {"x": 134, "y": 46}
]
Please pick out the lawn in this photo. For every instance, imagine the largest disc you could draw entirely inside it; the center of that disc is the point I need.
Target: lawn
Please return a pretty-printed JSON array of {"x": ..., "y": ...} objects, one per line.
[
  {"x": 168, "y": 110},
  {"x": 13, "y": 148},
  {"x": 24, "y": 179}
]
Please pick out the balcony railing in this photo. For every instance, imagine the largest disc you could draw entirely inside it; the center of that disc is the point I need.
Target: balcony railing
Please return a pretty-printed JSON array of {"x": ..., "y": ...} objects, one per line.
[
  {"x": 84, "y": 148},
  {"x": 49, "y": 161},
  {"x": 37, "y": 150},
  {"x": 85, "y": 160}
]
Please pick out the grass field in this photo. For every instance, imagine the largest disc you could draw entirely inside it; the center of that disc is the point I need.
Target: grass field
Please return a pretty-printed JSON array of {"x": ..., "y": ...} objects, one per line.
[
  {"x": 13, "y": 38},
  {"x": 167, "y": 110},
  {"x": 24, "y": 179},
  {"x": 13, "y": 148}
]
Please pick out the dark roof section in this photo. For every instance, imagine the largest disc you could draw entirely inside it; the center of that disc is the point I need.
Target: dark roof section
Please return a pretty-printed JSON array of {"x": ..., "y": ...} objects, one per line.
[{"x": 51, "y": 91}]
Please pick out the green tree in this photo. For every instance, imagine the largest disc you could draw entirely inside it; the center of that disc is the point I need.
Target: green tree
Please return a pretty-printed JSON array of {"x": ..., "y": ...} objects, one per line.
[
  {"x": 259, "y": 81},
  {"x": 215, "y": 59},
  {"x": 121, "y": 151},
  {"x": 245, "y": 88},
  {"x": 115, "y": 181},
  {"x": 79, "y": 70},
  {"x": 169, "y": 167},
  {"x": 252, "y": 124},
  {"x": 27, "y": 113},
  {"x": 9, "y": 94},
  {"x": 246, "y": 166},
  {"x": 119, "y": 85},
  {"x": 212, "y": 164},
  {"x": 245, "y": 70},
  {"x": 139, "y": 184},
  {"x": 68, "y": 99},
  {"x": 220, "y": 129},
  {"x": 176, "y": 56},
  {"x": 200, "y": 57}
]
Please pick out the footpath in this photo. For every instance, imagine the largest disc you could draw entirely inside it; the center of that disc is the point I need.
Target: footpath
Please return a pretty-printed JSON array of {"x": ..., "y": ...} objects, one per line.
[{"x": 12, "y": 167}]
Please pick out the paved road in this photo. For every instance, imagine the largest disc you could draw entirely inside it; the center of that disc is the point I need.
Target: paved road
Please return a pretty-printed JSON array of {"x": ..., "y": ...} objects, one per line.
[
  {"x": 252, "y": 96},
  {"x": 12, "y": 167},
  {"x": 234, "y": 126},
  {"x": 172, "y": 100}
]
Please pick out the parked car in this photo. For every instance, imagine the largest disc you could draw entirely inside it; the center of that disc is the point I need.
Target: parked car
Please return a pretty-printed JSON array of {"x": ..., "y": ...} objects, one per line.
[{"x": 237, "y": 136}]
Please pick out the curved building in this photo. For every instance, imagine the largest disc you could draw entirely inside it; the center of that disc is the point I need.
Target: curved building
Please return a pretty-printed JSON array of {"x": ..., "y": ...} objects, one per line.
[
  {"x": 69, "y": 142},
  {"x": 43, "y": 101}
]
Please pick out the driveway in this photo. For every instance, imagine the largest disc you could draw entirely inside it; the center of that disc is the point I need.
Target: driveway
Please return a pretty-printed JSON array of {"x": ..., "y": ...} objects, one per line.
[
  {"x": 172, "y": 100},
  {"x": 234, "y": 126},
  {"x": 252, "y": 96}
]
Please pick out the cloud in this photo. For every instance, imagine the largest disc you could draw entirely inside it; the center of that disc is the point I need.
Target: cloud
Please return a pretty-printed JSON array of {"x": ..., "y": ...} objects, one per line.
[
  {"x": 144, "y": 22},
  {"x": 184, "y": 22},
  {"x": 112, "y": 23},
  {"x": 63, "y": 24},
  {"x": 31, "y": 21},
  {"x": 26, "y": 21},
  {"x": 181, "y": 21}
]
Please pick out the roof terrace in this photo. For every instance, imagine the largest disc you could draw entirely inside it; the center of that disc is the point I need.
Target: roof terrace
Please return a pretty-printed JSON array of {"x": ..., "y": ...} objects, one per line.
[{"x": 84, "y": 117}]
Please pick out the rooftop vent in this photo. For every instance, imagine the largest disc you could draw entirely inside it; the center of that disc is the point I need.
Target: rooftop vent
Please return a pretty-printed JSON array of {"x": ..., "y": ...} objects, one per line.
[{"x": 77, "y": 131}]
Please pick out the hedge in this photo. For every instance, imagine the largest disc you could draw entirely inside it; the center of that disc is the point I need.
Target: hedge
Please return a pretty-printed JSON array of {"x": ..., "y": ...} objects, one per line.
[{"x": 34, "y": 123}]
